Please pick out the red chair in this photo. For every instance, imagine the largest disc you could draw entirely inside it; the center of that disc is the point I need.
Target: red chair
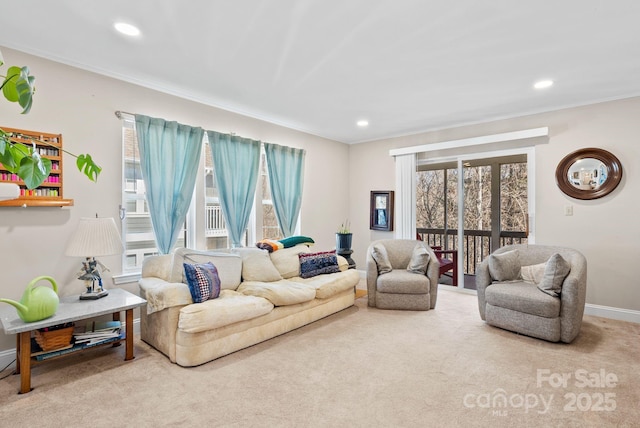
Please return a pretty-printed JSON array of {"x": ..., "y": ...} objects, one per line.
[
  {"x": 448, "y": 263},
  {"x": 448, "y": 260}
]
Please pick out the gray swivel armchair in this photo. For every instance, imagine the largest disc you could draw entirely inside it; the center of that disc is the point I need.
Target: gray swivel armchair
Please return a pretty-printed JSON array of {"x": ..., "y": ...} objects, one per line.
[
  {"x": 390, "y": 285},
  {"x": 510, "y": 296}
]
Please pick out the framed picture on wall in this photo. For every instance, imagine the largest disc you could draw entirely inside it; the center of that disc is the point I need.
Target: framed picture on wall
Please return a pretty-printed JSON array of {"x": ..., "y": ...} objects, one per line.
[{"x": 381, "y": 217}]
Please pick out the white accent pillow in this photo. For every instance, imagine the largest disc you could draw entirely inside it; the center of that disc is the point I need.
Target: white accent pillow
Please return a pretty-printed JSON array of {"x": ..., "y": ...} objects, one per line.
[{"x": 533, "y": 273}]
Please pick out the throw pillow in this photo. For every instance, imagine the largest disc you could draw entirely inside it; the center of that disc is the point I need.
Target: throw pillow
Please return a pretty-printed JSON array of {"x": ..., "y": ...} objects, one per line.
[
  {"x": 203, "y": 281},
  {"x": 295, "y": 240},
  {"x": 379, "y": 254},
  {"x": 555, "y": 272},
  {"x": 504, "y": 266},
  {"x": 419, "y": 260},
  {"x": 312, "y": 264},
  {"x": 533, "y": 273}
]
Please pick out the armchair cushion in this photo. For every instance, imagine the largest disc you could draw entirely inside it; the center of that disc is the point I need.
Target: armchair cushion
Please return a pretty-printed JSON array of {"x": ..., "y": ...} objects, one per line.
[
  {"x": 555, "y": 271},
  {"x": 523, "y": 297},
  {"x": 504, "y": 266},
  {"x": 401, "y": 281},
  {"x": 419, "y": 260},
  {"x": 379, "y": 254}
]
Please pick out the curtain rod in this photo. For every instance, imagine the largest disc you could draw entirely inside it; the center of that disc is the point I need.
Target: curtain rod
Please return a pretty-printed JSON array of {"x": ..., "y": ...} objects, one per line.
[{"x": 119, "y": 114}]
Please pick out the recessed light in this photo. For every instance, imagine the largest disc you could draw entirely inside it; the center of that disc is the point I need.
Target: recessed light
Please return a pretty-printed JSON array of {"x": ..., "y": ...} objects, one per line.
[
  {"x": 362, "y": 123},
  {"x": 127, "y": 29},
  {"x": 543, "y": 84}
]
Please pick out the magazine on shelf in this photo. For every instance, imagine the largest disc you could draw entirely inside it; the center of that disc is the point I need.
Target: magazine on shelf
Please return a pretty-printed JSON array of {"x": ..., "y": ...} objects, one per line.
[{"x": 97, "y": 332}]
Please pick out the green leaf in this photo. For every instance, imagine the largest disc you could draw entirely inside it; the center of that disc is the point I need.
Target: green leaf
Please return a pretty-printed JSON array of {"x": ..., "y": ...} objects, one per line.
[
  {"x": 12, "y": 155},
  {"x": 19, "y": 87},
  {"x": 87, "y": 166},
  {"x": 34, "y": 170},
  {"x": 9, "y": 86}
]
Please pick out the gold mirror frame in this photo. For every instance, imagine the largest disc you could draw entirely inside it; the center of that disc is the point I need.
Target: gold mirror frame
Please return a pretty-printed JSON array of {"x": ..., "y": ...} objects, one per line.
[{"x": 614, "y": 173}]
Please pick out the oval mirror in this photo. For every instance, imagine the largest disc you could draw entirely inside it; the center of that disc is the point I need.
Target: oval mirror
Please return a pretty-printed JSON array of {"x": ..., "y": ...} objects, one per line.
[{"x": 588, "y": 173}]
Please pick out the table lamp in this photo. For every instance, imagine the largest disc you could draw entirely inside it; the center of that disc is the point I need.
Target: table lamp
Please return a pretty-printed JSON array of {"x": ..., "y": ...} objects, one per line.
[{"x": 94, "y": 237}]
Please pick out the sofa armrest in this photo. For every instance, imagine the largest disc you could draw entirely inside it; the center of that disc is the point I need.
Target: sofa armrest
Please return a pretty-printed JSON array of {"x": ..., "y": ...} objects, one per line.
[
  {"x": 158, "y": 266},
  {"x": 161, "y": 294}
]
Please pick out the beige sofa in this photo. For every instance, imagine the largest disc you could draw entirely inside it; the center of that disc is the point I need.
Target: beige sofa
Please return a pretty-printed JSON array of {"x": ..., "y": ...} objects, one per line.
[{"x": 262, "y": 296}]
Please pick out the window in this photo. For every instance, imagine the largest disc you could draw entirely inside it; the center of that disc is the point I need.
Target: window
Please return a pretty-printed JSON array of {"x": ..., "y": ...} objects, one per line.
[
  {"x": 137, "y": 231},
  {"x": 270, "y": 228}
]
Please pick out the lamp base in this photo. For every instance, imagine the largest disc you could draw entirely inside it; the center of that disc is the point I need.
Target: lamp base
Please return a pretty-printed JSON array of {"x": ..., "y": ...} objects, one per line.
[{"x": 93, "y": 295}]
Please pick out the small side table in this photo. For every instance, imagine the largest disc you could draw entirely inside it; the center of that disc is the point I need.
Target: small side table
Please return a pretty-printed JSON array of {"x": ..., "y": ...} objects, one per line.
[
  {"x": 70, "y": 309},
  {"x": 347, "y": 255}
]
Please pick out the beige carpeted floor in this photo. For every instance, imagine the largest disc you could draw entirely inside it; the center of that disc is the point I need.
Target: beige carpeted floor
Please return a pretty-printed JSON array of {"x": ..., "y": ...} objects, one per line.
[{"x": 362, "y": 367}]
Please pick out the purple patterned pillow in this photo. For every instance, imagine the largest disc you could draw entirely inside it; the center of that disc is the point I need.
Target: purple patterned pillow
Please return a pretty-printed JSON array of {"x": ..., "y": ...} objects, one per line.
[
  {"x": 203, "y": 281},
  {"x": 312, "y": 264}
]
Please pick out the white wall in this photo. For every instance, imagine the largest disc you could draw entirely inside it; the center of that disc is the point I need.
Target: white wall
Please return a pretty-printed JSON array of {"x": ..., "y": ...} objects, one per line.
[
  {"x": 605, "y": 230},
  {"x": 80, "y": 105}
]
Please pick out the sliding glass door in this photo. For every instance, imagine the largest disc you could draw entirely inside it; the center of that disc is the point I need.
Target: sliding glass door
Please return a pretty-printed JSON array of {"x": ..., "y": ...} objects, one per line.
[{"x": 494, "y": 194}]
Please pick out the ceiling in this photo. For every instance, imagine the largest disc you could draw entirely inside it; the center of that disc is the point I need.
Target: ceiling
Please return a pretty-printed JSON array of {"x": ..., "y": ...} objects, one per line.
[{"x": 319, "y": 66}]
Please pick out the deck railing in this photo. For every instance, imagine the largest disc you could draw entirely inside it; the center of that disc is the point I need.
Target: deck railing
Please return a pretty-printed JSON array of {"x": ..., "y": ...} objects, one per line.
[
  {"x": 477, "y": 243},
  {"x": 214, "y": 221}
]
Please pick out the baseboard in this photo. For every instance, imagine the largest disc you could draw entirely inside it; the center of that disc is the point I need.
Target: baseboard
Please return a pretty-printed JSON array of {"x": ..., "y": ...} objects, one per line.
[
  {"x": 8, "y": 356},
  {"x": 612, "y": 313}
]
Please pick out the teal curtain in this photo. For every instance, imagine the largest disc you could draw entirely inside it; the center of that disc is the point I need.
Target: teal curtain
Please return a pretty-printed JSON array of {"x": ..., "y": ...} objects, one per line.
[
  {"x": 169, "y": 157},
  {"x": 286, "y": 178},
  {"x": 236, "y": 161}
]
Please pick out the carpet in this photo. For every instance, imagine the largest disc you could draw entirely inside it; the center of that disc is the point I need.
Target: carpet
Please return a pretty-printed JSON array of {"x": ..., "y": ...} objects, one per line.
[{"x": 361, "y": 367}]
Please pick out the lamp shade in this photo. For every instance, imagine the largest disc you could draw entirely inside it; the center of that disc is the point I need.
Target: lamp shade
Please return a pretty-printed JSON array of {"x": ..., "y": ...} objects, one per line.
[{"x": 95, "y": 237}]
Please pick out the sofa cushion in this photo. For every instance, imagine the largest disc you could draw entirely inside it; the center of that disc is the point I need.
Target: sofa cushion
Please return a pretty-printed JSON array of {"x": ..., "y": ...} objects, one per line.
[
  {"x": 401, "y": 281},
  {"x": 287, "y": 262},
  {"x": 419, "y": 260},
  {"x": 229, "y": 265},
  {"x": 522, "y": 297},
  {"x": 257, "y": 265},
  {"x": 504, "y": 266},
  {"x": 312, "y": 264},
  {"x": 203, "y": 281},
  {"x": 379, "y": 254},
  {"x": 280, "y": 293},
  {"x": 555, "y": 271},
  {"x": 331, "y": 284},
  {"x": 229, "y": 308}
]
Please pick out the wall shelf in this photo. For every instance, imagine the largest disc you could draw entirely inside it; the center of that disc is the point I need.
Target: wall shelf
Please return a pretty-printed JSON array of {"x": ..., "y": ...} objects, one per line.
[{"x": 49, "y": 193}]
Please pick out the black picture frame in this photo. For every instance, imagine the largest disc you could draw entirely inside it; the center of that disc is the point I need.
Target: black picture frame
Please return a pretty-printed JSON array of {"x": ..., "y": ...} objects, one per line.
[{"x": 381, "y": 210}]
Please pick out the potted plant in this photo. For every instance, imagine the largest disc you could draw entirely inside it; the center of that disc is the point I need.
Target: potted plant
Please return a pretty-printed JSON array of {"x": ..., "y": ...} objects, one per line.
[
  {"x": 343, "y": 238},
  {"x": 21, "y": 159}
]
